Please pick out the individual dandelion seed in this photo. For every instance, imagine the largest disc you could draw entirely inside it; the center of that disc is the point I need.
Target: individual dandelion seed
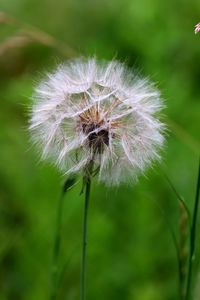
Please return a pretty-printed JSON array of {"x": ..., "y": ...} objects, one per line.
[
  {"x": 197, "y": 28},
  {"x": 100, "y": 112}
]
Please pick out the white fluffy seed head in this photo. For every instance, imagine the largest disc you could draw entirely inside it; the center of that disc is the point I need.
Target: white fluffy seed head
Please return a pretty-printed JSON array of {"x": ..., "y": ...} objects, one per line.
[
  {"x": 197, "y": 28},
  {"x": 100, "y": 112}
]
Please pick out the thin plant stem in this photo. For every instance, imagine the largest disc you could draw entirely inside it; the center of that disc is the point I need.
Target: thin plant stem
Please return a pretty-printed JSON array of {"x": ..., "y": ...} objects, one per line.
[
  {"x": 183, "y": 135},
  {"x": 56, "y": 249},
  {"x": 193, "y": 238},
  {"x": 84, "y": 242},
  {"x": 184, "y": 226},
  {"x": 174, "y": 239},
  {"x": 38, "y": 35},
  {"x": 69, "y": 184}
]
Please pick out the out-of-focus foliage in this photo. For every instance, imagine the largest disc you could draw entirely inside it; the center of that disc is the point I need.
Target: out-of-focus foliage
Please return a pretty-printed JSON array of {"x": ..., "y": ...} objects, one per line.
[{"x": 131, "y": 255}]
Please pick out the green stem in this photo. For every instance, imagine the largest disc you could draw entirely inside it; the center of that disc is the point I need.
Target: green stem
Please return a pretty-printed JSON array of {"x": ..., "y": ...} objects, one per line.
[
  {"x": 193, "y": 238},
  {"x": 84, "y": 243},
  {"x": 56, "y": 249}
]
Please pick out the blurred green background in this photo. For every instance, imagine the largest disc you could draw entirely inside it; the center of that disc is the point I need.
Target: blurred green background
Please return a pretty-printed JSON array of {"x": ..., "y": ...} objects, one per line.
[{"x": 131, "y": 255}]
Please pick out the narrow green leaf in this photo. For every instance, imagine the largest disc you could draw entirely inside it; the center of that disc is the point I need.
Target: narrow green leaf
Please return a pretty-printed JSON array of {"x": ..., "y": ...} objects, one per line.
[
  {"x": 178, "y": 196},
  {"x": 195, "y": 213},
  {"x": 180, "y": 248},
  {"x": 69, "y": 183},
  {"x": 193, "y": 237}
]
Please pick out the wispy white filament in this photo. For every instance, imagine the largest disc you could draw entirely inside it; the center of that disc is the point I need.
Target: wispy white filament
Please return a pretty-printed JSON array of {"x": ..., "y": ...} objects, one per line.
[
  {"x": 89, "y": 111},
  {"x": 197, "y": 28}
]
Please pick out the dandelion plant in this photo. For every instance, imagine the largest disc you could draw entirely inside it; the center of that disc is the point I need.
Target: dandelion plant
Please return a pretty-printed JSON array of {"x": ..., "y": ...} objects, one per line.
[{"x": 97, "y": 119}]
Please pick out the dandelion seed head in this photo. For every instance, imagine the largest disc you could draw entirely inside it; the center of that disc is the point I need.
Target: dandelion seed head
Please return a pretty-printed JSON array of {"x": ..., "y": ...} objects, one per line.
[
  {"x": 197, "y": 28},
  {"x": 100, "y": 112}
]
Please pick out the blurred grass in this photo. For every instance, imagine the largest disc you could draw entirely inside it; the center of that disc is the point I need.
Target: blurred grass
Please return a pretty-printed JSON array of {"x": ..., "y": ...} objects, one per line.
[{"x": 130, "y": 254}]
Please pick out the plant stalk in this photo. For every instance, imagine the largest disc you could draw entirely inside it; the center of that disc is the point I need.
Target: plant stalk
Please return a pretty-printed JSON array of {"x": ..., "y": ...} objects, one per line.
[
  {"x": 84, "y": 241},
  {"x": 56, "y": 249},
  {"x": 193, "y": 238}
]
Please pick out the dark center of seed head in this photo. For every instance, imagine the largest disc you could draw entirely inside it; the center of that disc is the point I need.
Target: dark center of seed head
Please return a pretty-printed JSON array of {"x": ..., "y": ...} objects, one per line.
[{"x": 98, "y": 139}]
